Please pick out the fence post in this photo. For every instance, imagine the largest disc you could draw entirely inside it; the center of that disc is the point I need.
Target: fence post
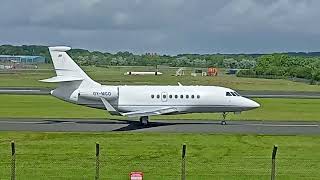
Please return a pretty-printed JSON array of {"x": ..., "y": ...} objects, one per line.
[
  {"x": 97, "y": 161},
  {"x": 13, "y": 161},
  {"x": 273, "y": 168},
  {"x": 183, "y": 162}
]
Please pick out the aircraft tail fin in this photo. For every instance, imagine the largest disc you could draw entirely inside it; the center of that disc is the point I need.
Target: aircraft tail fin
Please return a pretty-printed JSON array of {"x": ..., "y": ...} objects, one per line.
[{"x": 66, "y": 69}]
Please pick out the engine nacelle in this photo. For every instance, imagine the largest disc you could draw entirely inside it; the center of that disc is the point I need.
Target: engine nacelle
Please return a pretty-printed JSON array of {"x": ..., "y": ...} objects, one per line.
[{"x": 109, "y": 93}]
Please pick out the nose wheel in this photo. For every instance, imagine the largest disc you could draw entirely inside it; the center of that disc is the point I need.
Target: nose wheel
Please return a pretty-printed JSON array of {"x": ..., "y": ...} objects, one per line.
[
  {"x": 144, "y": 120},
  {"x": 224, "y": 115}
]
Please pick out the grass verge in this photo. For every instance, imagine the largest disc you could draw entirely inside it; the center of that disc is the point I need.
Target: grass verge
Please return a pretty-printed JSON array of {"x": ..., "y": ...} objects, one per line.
[{"x": 72, "y": 155}]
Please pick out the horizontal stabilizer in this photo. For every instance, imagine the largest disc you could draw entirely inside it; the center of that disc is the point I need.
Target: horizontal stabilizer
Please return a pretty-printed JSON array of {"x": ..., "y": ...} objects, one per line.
[
  {"x": 62, "y": 79},
  {"x": 159, "y": 111},
  {"x": 59, "y": 48}
]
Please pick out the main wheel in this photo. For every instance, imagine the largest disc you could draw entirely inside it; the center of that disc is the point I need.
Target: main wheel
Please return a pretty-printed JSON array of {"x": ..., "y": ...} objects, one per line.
[
  {"x": 223, "y": 122},
  {"x": 144, "y": 120}
]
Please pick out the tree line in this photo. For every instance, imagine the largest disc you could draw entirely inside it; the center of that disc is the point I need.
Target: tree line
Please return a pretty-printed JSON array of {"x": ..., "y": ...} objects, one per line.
[
  {"x": 85, "y": 57},
  {"x": 277, "y": 65},
  {"x": 285, "y": 66}
]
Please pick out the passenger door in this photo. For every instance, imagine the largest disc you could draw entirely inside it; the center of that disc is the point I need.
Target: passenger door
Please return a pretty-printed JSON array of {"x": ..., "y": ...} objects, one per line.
[{"x": 164, "y": 97}]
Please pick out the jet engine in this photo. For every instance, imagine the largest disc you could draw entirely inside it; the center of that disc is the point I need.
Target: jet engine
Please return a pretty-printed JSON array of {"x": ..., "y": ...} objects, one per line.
[{"x": 108, "y": 93}]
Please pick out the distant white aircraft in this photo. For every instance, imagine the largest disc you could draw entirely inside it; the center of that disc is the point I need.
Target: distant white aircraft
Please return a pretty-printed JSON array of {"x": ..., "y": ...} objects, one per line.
[
  {"x": 77, "y": 87},
  {"x": 142, "y": 73}
]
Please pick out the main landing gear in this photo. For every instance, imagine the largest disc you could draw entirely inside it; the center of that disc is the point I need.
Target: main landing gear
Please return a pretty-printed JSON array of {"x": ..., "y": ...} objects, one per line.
[
  {"x": 224, "y": 115},
  {"x": 144, "y": 120}
]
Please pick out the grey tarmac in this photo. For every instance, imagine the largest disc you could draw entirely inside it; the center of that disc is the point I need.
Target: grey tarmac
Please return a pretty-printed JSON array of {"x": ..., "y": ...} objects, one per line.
[
  {"x": 25, "y": 90},
  {"x": 165, "y": 126}
]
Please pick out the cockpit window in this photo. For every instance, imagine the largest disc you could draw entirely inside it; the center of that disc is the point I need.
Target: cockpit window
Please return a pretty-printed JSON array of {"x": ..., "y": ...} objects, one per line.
[
  {"x": 233, "y": 94},
  {"x": 237, "y": 94}
]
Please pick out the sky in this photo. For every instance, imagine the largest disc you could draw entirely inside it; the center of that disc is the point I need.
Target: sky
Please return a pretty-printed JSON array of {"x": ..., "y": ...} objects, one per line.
[{"x": 164, "y": 26}]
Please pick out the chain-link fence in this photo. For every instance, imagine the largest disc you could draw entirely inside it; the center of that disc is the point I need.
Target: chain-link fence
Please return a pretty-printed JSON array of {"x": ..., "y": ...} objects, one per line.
[{"x": 104, "y": 164}]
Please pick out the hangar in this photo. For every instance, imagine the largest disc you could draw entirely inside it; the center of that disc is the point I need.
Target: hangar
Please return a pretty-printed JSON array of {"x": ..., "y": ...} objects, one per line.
[{"x": 22, "y": 59}]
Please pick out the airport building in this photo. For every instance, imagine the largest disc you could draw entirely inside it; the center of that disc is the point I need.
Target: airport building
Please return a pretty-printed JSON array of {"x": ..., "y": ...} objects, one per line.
[{"x": 22, "y": 59}]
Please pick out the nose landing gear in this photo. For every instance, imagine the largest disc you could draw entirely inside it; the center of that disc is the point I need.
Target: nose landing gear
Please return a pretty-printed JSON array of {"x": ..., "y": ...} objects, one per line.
[{"x": 224, "y": 115}]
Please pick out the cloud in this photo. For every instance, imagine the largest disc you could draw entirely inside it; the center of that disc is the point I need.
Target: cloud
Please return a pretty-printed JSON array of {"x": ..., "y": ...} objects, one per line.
[
  {"x": 167, "y": 26},
  {"x": 120, "y": 18},
  {"x": 278, "y": 15}
]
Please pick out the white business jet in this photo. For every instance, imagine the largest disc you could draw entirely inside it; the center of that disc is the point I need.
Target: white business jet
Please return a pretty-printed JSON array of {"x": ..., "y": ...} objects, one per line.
[{"x": 77, "y": 87}]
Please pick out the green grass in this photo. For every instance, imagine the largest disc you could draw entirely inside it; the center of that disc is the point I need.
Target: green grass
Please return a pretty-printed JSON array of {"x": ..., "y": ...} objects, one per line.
[
  {"x": 114, "y": 76},
  {"x": 43, "y": 106},
  {"x": 72, "y": 155},
  {"x": 25, "y": 78}
]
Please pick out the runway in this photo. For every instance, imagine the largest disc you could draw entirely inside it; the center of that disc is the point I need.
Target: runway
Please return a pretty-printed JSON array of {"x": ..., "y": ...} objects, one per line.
[
  {"x": 24, "y": 90},
  {"x": 167, "y": 126}
]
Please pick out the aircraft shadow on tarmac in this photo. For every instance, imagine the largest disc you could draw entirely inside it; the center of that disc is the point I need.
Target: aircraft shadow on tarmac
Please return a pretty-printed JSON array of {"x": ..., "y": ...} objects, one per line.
[
  {"x": 114, "y": 121},
  {"x": 131, "y": 125},
  {"x": 135, "y": 125}
]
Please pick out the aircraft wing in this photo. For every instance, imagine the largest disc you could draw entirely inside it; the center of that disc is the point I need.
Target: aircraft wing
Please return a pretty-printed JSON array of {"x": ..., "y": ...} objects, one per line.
[
  {"x": 150, "y": 112},
  {"x": 159, "y": 111}
]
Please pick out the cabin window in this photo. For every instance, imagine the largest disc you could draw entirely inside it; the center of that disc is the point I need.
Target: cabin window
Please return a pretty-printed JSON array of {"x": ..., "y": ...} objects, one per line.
[
  {"x": 198, "y": 96},
  {"x": 228, "y": 94},
  {"x": 181, "y": 96},
  {"x": 164, "y": 96},
  {"x": 152, "y": 96},
  {"x": 176, "y": 96},
  {"x": 170, "y": 96},
  {"x": 192, "y": 96},
  {"x": 233, "y": 94},
  {"x": 158, "y": 96},
  {"x": 187, "y": 96}
]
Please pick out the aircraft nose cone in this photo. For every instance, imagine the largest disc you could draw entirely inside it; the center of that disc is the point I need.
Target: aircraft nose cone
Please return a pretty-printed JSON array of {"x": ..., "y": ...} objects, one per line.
[
  {"x": 253, "y": 104},
  {"x": 249, "y": 104}
]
